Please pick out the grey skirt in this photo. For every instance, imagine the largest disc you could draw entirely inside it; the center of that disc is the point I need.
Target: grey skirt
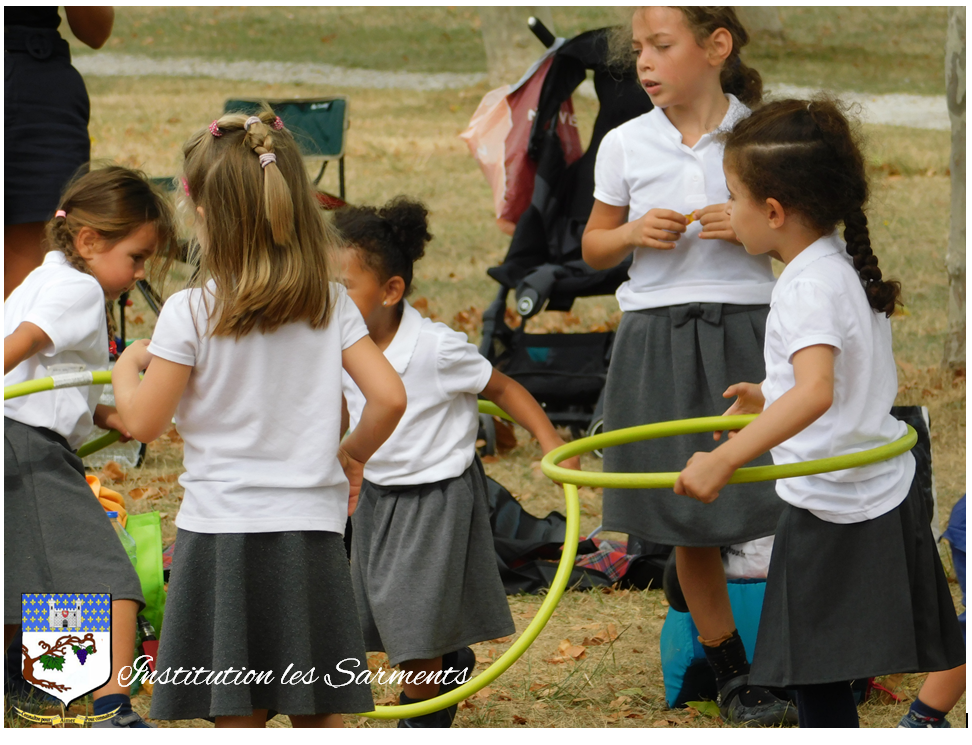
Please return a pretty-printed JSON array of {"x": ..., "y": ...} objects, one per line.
[
  {"x": 279, "y": 604},
  {"x": 848, "y": 602},
  {"x": 56, "y": 537},
  {"x": 424, "y": 568},
  {"x": 675, "y": 363}
]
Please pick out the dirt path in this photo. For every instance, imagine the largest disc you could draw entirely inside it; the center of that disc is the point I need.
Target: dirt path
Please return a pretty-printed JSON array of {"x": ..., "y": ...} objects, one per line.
[{"x": 922, "y": 112}]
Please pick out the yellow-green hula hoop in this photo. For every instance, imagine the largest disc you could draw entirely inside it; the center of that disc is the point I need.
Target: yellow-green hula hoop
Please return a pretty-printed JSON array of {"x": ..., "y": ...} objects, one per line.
[
  {"x": 530, "y": 633},
  {"x": 67, "y": 380},
  {"x": 692, "y": 426}
]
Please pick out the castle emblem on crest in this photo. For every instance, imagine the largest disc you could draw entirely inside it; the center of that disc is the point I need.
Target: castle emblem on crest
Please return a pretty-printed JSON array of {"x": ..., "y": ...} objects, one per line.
[{"x": 67, "y": 617}]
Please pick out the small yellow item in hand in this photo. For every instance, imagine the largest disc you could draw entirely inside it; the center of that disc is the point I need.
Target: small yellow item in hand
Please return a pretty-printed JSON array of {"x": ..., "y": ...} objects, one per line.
[{"x": 690, "y": 216}]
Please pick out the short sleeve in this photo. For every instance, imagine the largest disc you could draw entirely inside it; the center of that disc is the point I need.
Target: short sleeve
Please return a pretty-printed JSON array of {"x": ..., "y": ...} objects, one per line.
[
  {"x": 809, "y": 314},
  {"x": 70, "y": 313},
  {"x": 461, "y": 368},
  {"x": 346, "y": 313},
  {"x": 176, "y": 337},
  {"x": 610, "y": 186}
]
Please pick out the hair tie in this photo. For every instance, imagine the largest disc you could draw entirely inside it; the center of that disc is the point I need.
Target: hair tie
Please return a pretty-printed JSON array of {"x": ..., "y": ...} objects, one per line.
[
  {"x": 214, "y": 129},
  {"x": 267, "y": 158},
  {"x": 185, "y": 185},
  {"x": 251, "y": 120},
  {"x": 278, "y": 123},
  {"x": 60, "y": 213}
]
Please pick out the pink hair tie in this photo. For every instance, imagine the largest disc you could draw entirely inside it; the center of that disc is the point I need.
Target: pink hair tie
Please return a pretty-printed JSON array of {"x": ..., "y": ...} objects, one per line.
[
  {"x": 267, "y": 158},
  {"x": 185, "y": 185},
  {"x": 214, "y": 129},
  {"x": 251, "y": 120},
  {"x": 278, "y": 123},
  {"x": 60, "y": 213}
]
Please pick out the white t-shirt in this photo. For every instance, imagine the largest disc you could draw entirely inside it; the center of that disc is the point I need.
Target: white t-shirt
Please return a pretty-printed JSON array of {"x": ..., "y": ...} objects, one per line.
[
  {"x": 443, "y": 374},
  {"x": 643, "y": 165},
  {"x": 261, "y": 420},
  {"x": 819, "y": 300},
  {"x": 68, "y": 306}
]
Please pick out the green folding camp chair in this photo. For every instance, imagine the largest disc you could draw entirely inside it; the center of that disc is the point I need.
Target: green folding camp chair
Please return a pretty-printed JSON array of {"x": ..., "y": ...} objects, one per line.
[{"x": 318, "y": 125}]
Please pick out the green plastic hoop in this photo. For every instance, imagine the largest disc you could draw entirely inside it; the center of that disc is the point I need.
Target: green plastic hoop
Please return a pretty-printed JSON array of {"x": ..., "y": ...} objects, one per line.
[
  {"x": 65, "y": 380},
  {"x": 530, "y": 633},
  {"x": 68, "y": 380},
  {"x": 692, "y": 426}
]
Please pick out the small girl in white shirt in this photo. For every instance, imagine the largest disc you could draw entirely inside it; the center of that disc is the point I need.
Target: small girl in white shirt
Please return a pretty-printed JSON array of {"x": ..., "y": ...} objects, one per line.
[
  {"x": 855, "y": 586},
  {"x": 250, "y": 365},
  {"x": 422, "y": 558},
  {"x": 695, "y": 307},
  {"x": 56, "y": 536}
]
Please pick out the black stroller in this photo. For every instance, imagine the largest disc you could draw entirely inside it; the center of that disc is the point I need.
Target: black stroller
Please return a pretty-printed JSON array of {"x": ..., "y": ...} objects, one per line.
[{"x": 564, "y": 372}]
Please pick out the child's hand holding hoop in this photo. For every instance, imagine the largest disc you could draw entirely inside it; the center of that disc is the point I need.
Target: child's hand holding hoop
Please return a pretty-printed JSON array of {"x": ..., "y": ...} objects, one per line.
[{"x": 703, "y": 476}]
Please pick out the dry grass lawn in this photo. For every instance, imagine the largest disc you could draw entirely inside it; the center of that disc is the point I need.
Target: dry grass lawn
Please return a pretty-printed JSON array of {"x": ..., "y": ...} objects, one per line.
[{"x": 406, "y": 142}]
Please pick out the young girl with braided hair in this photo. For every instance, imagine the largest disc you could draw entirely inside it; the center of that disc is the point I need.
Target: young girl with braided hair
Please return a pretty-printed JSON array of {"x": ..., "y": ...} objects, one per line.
[
  {"x": 250, "y": 364},
  {"x": 109, "y": 221},
  {"x": 695, "y": 307},
  {"x": 422, "y": 556},
  {"x": 855, "y": 586}
]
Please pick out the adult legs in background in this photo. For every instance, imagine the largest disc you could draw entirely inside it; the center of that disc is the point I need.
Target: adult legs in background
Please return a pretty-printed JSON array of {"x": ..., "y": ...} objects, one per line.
[{"x": 23, "y": 251}]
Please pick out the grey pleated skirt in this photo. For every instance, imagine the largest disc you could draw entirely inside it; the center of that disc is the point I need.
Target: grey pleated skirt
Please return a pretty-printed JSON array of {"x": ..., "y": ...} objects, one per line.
[
  {"x": 675, "y": 363},
  {"x": 424, "y": 568},
  {"x": 274, "y": 603},
  {"x": 848, "y": 602},
  {"x": 56, "y": 537}
]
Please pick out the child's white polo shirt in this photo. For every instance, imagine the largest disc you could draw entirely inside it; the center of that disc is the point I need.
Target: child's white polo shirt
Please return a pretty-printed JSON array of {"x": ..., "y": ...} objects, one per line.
[
  {"x": 819, "y": 300},
  {"x": 68, "y": 306},
  {"x": 443, "y": 374},
  {"x": 643, "y": 165},
  {"x": 261, "y": 419}
]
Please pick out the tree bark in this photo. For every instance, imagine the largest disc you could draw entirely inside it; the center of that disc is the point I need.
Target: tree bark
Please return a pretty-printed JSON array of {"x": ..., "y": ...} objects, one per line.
[
  {"x": 954, "y": 357},
  {"x": 763, "y": 22},
  {"x": 510, "y": 45}
]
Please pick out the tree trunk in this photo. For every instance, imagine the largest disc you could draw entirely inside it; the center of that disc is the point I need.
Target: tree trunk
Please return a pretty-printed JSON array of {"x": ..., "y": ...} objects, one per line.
[
  {"x": 510, "y": 45},
  {"x": 763, "y": 22},
  {"x": 955, "y": 260}
]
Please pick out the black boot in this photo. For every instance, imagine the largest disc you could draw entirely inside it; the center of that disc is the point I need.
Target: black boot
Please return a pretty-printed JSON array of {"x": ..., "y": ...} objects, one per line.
[
  {"x": 461, "y": 662},
  {"x": 739, "y": 702}
]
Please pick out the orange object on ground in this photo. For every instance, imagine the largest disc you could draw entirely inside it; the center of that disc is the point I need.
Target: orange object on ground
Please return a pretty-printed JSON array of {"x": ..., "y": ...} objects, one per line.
[{"x": 110, "y": 500}]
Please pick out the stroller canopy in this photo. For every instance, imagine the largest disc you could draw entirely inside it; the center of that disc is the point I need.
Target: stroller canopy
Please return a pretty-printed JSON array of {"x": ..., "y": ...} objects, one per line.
[{"x": 547, "y": 239}]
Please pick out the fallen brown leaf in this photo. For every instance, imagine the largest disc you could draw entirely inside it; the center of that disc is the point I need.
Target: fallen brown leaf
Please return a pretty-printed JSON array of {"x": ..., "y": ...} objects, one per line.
[
  {"x": 144, "y": 493},
  {"x": 517, "y": 719},
  {"x": 112, "y": 472}
]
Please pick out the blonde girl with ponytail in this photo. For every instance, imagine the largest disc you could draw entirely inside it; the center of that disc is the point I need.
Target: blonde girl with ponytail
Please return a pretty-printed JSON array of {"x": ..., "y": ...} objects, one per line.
[{"x": 250, "y": 362}]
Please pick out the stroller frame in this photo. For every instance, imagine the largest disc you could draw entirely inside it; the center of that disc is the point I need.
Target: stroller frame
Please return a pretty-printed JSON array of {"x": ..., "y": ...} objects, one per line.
[{"x": 566, "y": 373}]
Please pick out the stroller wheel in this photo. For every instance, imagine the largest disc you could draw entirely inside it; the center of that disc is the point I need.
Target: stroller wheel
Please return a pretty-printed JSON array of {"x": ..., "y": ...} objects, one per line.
[{"x": 595, "y": 428}]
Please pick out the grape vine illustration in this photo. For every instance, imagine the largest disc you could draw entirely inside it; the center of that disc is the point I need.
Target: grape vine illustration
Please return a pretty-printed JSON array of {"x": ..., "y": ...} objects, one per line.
[{"x": 52, "y": 658}]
